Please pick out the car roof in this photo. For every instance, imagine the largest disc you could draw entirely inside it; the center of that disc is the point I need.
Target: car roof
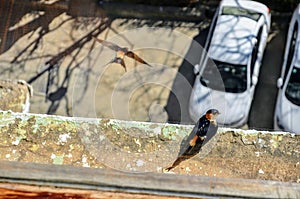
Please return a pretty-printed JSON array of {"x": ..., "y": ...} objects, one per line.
[{"x": 233, "y": 39}]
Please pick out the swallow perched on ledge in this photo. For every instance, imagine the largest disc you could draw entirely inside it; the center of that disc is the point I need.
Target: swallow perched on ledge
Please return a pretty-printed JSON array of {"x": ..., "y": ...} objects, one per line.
[
  {"x": 203, "y": 131},
  {"x": 121, "y": 53}
]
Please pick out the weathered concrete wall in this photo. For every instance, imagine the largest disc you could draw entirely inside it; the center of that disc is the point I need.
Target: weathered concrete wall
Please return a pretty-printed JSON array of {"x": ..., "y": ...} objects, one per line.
[
  {"x": 15, "y": 95},
  {"x": 146, "y": 147}
]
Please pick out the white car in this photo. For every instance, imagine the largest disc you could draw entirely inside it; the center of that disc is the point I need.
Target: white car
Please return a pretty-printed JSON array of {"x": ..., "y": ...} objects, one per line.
[
  {"x": 287, "y": 111},
  {"x": 228, "y": 73}
]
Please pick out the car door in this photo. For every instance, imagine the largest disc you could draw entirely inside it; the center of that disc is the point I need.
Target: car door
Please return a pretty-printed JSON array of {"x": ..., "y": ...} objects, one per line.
[
  {"x": 255, "y": 62},
  {"x": 289, "y": 57},
  {"x": 256, "y": 58}
]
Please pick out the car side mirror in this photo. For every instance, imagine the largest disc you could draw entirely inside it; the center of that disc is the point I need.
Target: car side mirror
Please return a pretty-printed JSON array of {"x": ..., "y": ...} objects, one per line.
[
  {"x": 196, "y": 69},
  {"x": 254, "y": 80},
  {"x": 279, "y": 82},
  {"x": 254, "y": 40}
]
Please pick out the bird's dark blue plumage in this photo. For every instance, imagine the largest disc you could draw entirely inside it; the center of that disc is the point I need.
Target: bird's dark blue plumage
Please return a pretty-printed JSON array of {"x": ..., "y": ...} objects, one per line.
[{"x": 205, "y": 128}]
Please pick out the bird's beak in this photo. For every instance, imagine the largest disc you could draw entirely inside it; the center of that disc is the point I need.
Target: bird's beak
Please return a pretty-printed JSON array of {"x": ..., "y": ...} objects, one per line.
[{"x": 217, "y": 113}]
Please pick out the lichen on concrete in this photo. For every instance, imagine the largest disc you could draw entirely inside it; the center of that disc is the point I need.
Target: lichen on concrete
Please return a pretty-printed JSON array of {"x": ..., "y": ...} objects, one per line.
[
  {"x": 15, "y": 95},
  {"x": 145, "y": 147},
  {"x": 39, "y": 138}
]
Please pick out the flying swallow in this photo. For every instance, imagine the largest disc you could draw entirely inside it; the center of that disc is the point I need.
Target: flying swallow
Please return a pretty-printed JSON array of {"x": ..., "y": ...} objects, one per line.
[{"x": 121, "y": 53}]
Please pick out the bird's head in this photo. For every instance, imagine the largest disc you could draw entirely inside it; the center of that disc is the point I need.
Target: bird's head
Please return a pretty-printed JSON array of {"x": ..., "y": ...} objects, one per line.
[{"x": 212, "y": 114}]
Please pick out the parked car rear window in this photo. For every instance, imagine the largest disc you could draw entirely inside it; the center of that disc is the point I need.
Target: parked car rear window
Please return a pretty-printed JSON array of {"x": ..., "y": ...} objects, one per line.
[
  {"x": 292, "y": 91},
  {"x": 238, "y": 11},
  {"x": 234, "y": 77}
]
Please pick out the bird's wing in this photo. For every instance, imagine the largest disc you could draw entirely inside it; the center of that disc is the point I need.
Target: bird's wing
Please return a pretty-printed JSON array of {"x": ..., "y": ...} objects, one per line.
[
  {"x": 109, "y": 44},
  {"x": 123, "y": 64},
  {"x": 190, "y": 145},
  {"x": 136, "y": 57},
  {"x": 211, "y": 132},
  {"x": 118, "y": 61},
  {"x": 185, "y": 144}
]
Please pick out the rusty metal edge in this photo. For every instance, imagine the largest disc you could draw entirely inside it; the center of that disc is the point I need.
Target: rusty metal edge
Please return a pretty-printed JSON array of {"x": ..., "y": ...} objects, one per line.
[{"x": 146, "y": 183}]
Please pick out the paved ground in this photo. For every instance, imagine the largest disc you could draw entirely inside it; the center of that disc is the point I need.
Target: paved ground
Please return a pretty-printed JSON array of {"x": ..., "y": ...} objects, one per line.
[
  {"x": 261, "y": 115},
  {"x": 84, "y": 84}
]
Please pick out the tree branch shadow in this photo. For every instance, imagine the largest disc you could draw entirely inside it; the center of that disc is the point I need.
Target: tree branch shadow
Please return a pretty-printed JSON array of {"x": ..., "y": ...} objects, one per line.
[{"x": 54, "y": 63}]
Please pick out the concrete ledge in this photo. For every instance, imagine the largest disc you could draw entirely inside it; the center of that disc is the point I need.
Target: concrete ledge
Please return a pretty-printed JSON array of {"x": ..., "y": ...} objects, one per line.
[
  {"x": 146, "y": 147},
  {"x": 15, "y": 95}
]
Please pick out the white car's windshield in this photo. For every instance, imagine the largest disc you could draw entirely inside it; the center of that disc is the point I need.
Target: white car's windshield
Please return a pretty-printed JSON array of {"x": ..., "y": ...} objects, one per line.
[
  {"x": 292, "y": 91},
  {"x": 238, "y": 11},
  {"x": 234, "y": 77}
]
